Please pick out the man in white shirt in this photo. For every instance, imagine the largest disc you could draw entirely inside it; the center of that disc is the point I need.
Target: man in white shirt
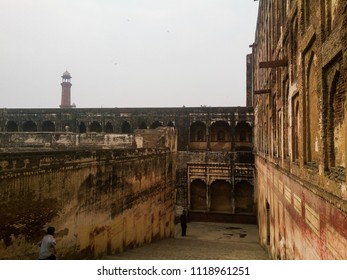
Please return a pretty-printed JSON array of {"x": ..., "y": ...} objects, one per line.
[{"x": 47, "y": 246}]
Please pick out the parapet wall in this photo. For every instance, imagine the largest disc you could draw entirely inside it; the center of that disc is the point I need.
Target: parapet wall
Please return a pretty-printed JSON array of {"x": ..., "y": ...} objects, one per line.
[
  {"x": 100, "y": 201},
  {"x": 161, "y": 137},
  {"x": 65, "y": 140}
]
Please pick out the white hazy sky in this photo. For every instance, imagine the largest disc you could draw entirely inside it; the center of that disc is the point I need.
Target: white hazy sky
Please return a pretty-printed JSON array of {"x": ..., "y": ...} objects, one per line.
[{"x": 125, "y": 53}]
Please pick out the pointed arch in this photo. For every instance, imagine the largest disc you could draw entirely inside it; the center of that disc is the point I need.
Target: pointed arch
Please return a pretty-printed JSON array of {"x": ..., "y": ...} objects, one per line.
[
  {"x": 126, "y": 128},
  {"x": 197, "y": 132},
  {"x": 220, "y": 132},
  {"x": 197, "y": 136}
]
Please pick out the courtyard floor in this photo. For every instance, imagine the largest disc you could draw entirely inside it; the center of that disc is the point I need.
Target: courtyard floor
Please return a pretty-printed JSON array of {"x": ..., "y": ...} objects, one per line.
[{"x": 204, "y": 241}]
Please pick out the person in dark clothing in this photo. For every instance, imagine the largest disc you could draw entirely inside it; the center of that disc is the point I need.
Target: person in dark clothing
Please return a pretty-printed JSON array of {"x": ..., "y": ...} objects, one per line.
[{"x": 183, "y": 219}]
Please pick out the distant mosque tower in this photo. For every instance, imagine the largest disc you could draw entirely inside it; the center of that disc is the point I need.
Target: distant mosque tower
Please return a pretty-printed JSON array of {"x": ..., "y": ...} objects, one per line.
[{"x": 66, "y": 91}]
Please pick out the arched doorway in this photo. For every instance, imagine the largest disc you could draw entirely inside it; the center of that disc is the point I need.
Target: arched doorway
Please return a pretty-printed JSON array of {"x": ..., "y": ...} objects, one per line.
[
  {"x": 198, "y": 190},
  {"x": 197, "y": 137},
  {"x": 221, "y": 196},
  {"x": 243, "y": 136},
  {"x": 244, "y": 193}
]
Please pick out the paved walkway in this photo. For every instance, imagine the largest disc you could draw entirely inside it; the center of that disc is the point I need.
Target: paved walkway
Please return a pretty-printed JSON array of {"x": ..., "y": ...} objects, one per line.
[{"x": 204, "y": 241}]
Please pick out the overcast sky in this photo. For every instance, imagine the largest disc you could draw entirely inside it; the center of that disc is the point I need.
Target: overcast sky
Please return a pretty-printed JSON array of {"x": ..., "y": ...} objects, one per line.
[{"x": 125, "y": 53}]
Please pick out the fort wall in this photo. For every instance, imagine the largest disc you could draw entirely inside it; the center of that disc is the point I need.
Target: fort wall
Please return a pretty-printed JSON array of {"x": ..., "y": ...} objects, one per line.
[
  {"x": 100, "y": 201},
  {"x": 299, "y": 79},
  {"x": 213, "y": 177}
]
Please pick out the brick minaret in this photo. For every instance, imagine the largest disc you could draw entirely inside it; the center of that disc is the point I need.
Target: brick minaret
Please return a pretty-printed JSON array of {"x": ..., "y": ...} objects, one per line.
[{"x": 66, "y": 90}]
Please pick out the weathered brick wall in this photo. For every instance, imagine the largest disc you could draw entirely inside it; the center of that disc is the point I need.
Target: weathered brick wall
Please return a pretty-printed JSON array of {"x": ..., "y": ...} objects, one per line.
[
  {"x": 301, "y": 221},
  {"x": 99, "y": 201},
  {"x": 300, "y": 126}
]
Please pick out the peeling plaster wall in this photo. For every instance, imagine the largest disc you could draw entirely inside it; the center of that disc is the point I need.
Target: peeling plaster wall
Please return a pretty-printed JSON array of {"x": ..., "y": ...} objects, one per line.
[
  {"x": 99, "y": 201},
  {"x": 52, "y": 140},
  {"x": 299, "y": 79},
  {"x": 304, "y": 222}
]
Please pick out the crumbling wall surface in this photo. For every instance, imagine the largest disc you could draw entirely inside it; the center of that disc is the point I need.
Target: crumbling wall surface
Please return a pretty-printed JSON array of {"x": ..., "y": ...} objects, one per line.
[
  {"x": 300, "y": 110},
  {"x": 14, "y": 141},
  {"x": 100, "y": 201},
  {"x": 161, "y": 137},
  {"x": 298, "y": 220}
]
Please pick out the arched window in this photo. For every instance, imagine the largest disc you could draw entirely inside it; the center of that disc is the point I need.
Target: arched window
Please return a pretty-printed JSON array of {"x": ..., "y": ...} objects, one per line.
[
  {"x": 109, "y": 127},
  {"x": 82, "y": 127},
  {"x": 126, "y": 127},
  {"x": 243, "y": 132},
  {"x": 220, "y": 132},
  {"x": 198, "y": 132}
]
